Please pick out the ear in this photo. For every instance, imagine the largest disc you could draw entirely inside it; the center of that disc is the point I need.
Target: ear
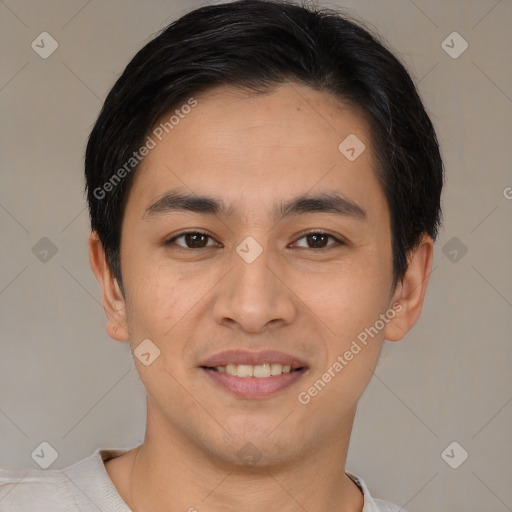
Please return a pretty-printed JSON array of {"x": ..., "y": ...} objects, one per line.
[
  {"x": 113, "y": 300},
  {"x": 410, "y": 291}
]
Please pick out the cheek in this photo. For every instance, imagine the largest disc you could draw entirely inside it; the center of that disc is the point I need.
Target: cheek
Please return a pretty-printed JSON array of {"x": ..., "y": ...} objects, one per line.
[
  {"x": 154, "y": 299},
  {"x": 165, "y": 304},
  {"x": 350, "y": 298},
  {"x": 350, "y": 305}
]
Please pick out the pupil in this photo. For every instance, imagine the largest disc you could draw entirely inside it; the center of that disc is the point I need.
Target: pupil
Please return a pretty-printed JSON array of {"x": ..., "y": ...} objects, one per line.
[
  {"x": 312, "y": 238},
  {"x": 193, "y": 236}
]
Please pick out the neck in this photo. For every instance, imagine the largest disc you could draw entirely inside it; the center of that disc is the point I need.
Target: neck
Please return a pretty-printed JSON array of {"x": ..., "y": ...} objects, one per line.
[{"x": 169, "y": 472}]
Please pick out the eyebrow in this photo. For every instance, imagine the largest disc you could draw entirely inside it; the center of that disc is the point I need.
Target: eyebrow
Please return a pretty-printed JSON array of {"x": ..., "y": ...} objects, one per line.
[{"x": 326, "y": 202}]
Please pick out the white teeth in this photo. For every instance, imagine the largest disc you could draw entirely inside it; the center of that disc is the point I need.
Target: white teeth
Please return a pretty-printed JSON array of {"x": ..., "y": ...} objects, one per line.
[
  {"x": 245, "y": 370},
  {"x": 260, "y": 371},
  {"x": 276, "y": 369}
]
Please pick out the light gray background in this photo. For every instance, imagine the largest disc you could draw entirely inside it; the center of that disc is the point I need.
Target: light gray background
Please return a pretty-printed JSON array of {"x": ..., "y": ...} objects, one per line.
[{"x": 62, "y": 380}]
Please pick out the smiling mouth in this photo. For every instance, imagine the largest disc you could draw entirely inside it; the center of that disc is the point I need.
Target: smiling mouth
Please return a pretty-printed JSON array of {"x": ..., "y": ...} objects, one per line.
[
  {"x": 260, "y": 371},
  {"x": 255, "y": 381}
]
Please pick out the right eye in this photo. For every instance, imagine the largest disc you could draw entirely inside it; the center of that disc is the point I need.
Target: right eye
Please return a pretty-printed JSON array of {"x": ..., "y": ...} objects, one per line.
[{"x": 192, "y": 240}]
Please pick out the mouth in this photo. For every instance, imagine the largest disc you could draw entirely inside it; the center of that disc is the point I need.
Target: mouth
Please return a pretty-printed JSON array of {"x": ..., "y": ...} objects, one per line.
[{"x": 254, "y": 374}]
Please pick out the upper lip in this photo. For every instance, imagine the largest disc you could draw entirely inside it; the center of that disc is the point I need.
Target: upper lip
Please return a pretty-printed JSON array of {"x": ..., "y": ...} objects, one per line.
[{"x": 238, "y": 356}]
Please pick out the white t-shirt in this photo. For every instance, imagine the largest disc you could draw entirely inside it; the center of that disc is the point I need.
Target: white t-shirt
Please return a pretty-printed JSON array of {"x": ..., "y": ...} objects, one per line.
[{"x": 86, "y": 487}]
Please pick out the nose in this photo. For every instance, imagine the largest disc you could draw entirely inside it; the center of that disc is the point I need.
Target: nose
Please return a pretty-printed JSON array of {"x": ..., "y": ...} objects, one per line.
[{"x": 255, "y": 296}]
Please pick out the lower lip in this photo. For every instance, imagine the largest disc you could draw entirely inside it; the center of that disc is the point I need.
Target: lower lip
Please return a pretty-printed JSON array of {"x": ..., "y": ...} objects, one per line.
[{"x": 252, "y": 387}]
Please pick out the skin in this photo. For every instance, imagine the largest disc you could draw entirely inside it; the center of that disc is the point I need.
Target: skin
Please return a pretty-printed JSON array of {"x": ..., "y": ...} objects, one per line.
[{"x": 254, "y": 152}]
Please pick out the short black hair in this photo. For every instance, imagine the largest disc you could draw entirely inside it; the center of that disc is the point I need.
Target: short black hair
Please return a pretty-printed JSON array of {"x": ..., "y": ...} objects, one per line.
[{"x": 257, "y": 45}]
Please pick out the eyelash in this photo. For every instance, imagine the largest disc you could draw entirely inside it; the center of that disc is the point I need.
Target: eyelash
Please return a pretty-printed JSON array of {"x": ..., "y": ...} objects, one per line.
[{"x": 317, "y": 232}]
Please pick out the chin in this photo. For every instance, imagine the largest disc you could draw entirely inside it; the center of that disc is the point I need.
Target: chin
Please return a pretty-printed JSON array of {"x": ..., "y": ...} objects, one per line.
[{"x": 254, "y": 448}]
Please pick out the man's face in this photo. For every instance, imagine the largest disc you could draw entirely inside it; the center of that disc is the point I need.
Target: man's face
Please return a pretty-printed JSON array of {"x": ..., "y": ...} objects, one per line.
[{"x": 321, "y": 278}]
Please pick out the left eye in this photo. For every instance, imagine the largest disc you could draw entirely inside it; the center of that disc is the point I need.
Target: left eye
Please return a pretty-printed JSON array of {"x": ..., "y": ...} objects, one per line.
[{"x": 318, "y": 240}]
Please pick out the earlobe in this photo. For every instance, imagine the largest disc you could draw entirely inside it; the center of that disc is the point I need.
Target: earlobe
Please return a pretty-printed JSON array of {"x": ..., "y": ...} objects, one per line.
[
  {"x": 410, "y": 292},
  {"x": 113, "y": 301}
]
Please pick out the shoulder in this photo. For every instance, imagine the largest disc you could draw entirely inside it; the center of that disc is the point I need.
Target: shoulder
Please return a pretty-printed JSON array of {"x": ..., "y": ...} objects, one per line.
[
  {"x": 372, "y": 504},
  {"x": 80, "y": 487},
  {"x": 387, "y": 506},
  {"x": 35, "y": 490}
]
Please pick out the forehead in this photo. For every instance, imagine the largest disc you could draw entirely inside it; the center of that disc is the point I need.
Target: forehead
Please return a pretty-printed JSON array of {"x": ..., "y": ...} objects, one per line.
[{"x": 239, "y": 145}]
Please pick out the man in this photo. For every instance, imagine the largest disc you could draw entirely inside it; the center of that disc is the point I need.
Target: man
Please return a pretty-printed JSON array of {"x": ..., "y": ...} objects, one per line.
[{"x": 264, "y": 191}]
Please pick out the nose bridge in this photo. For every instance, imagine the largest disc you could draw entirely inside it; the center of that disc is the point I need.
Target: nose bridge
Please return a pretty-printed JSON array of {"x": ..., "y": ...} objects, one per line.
[
  {"x": 253, "y": 295},
  {"x": 252, "y": 270}
]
